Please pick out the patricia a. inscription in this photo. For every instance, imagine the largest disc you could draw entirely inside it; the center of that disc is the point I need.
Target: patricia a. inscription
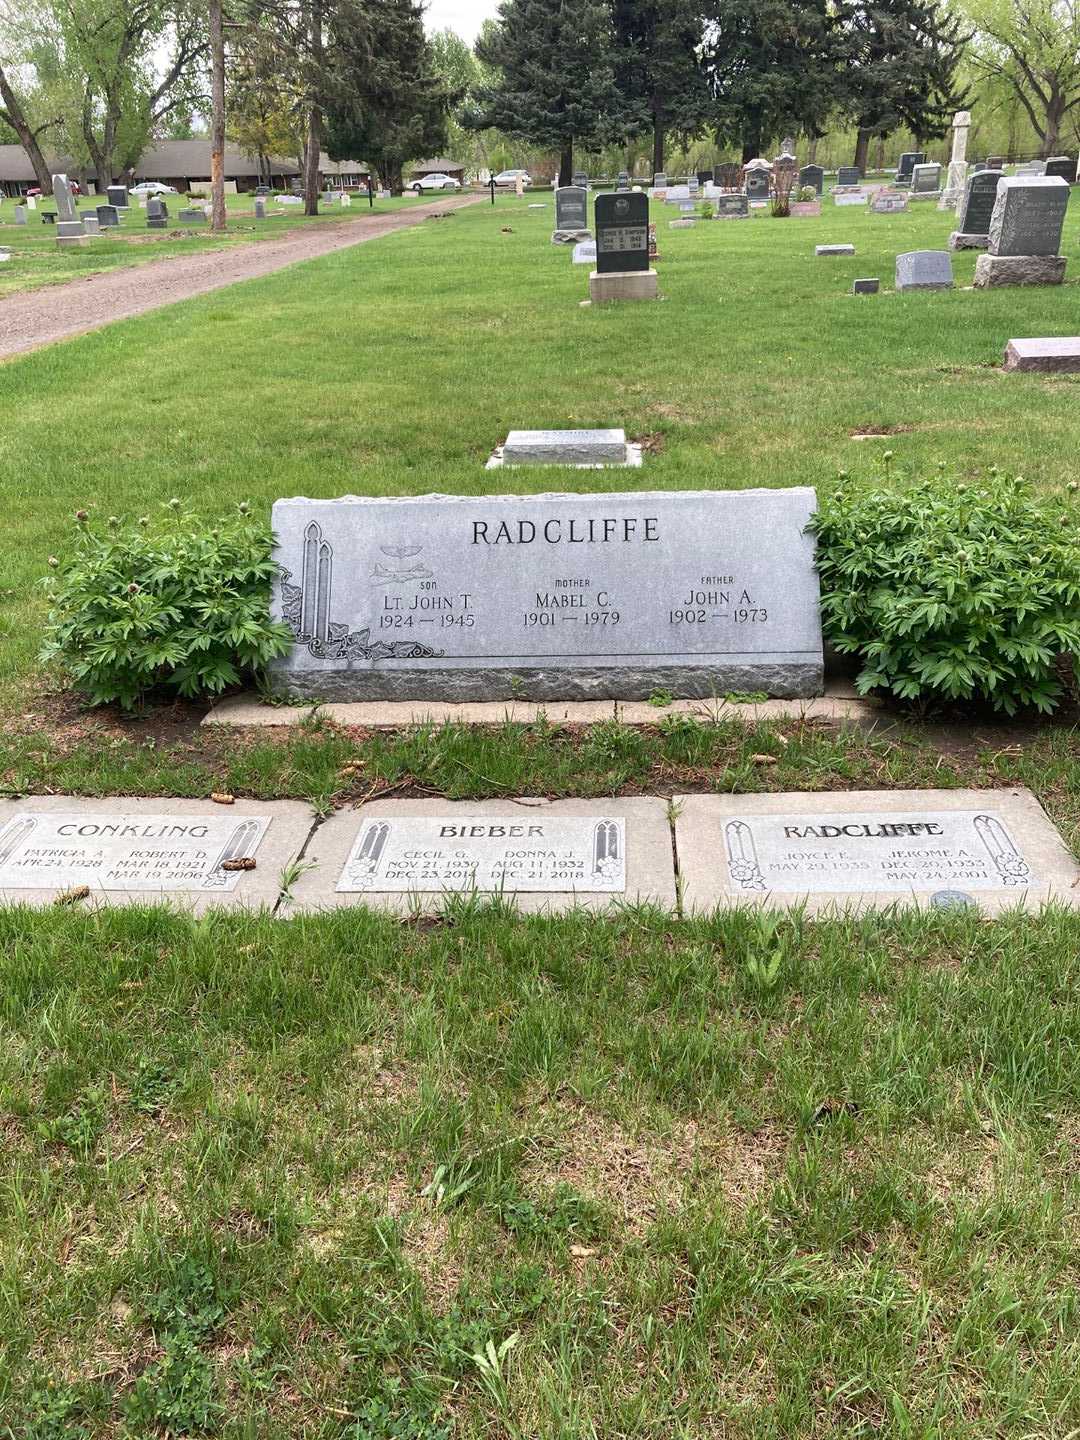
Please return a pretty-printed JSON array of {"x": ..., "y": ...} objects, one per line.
[
  {"x": 446, "y": 852},
  {"x": 550, "y": 596}
]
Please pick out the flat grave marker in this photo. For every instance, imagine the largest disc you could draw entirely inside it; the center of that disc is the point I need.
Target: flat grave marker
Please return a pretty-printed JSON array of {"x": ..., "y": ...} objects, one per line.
[
  {"x": 888, "y": 202},
  {"x": 559, "y": 596},
  {"x": 544, "y": 855},
  {"x": 834, "y": 249},
  {"x": 142, "y": 850},
  {"x": 565, "y": 447},
  {"x": 1048, "y": 355},
  {"x": 862, "y": 849}
]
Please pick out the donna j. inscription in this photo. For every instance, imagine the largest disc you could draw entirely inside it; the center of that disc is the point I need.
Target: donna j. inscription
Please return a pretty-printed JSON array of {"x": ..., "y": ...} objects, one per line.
[
  {"x": 48, "y": 850},
  {"x": 451, "y": 852},
  {"x": 863, "y": 852},
  {"x": 549, "y": 596}
]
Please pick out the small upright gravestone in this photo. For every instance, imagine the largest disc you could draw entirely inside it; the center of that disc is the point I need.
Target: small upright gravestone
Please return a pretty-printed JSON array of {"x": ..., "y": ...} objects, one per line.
[
  {"x": 926, "y": 181},
  {"x": 260, "y": 208},
  {"x": 995, "y": 162},
  {"x": 624, "y": 180},
  {"x": 757, "y": 186},
  {"x": 865, "y": 286},
  {"x": 117, "y": 195},
  {"x": 108, "y": 217},
  {"x": 888, "y": 202},
  {"x": 812, "y": 175},
  {"x": 571, "y": 215},
  {"x": 1063, "y": 166},
  {"x": 70, "y": 230},
  {"x": 91, "y": 224},
  {"x": 585, "y": 252},
  {"x": 975, "y": 210},
  {"x": 580, "y": 178},
  {"x": 192, "y": 217},
  {"x": 156, "y": 214},
  {"x": 732, "y": 207},
  {"x": 1025, "y": 233},
  {"x": 908, "y": 161},
  {"x": 20, "y": 214},
  {"x": 622, "y": 249},
  {"x": 924, "y": 270},
  {"x": 848, "y": 175}
]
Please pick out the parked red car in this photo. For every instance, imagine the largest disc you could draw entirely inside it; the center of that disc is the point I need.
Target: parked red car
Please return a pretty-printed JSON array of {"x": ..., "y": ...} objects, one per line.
[{"x": 73, "y": 186}]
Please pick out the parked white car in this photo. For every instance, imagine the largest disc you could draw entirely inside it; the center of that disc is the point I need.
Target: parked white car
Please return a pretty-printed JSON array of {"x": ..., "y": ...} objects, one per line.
[
  {"x": 153, "y": 187},
  {"x": 434, "y": 182},
  {"x": 510, "y": 177}
]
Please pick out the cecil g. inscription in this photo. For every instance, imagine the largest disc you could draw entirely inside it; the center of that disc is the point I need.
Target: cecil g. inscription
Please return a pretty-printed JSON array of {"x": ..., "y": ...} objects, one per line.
[
  {"x": 142, "y": 852},
  {"x": 549, "y": 596},
  {"x": 544, "y": 853}
]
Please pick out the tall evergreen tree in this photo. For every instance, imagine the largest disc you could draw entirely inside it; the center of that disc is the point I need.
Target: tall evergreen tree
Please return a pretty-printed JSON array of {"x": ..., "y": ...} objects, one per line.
[
  {"x": 772, "y": 66},
  {"x": 384, "y": 100},
  {"x": 659, "y": 67},
  {"x": 555, "y": 63},
  {"x": 899, "y": 60}
]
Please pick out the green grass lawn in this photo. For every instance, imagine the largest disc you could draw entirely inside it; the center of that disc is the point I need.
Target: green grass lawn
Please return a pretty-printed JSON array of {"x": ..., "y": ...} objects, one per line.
[
  {"x": 37, "y": 260},
  {"x": 267, "y": 1179}
]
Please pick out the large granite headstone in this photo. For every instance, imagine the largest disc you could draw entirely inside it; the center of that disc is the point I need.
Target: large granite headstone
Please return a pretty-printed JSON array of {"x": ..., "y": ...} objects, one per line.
[
  {"x": 976, "y": 209},
  {"x": 848, "y": 175},
  {"x": 944, "y": 848},
  {"x": 732, "y": 207},
  {"x": 925, "y": 180},
  {"x": 108, "y": 217},
  {"x": 908, "y": 161},
  {"x": 549, "y": 596},
  {"x": 571, "y": 215},
  {"x": 812, "y": 175},
  {"x": 1025, "y": 233},
  {"x": 622, "y": 232}
]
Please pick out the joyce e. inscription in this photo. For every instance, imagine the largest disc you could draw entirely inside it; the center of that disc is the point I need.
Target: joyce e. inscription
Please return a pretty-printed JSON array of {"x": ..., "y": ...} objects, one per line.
[
  {"x": 549, "y": 596},
  {"x": 451, "y": 852},
  {"x": 804, "y": 854}
]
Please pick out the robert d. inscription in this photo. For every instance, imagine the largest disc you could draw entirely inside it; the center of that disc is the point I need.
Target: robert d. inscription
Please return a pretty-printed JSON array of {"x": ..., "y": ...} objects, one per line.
[{"x": 549, "y": 596}]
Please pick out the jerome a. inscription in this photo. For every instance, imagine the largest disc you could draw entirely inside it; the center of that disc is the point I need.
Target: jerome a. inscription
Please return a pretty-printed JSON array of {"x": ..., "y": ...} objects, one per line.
[
  {"x": 545, "y": 854},
  {"x": 549, "y": 596}
]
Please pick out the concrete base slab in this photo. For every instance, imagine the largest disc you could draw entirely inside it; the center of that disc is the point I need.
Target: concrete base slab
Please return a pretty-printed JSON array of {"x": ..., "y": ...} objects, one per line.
[
  {"x": 624, "y": 285},
  {"x": 834, "y": 249},
  {"x": 147, "y": 851},
  {"x": 838, "y": 704},
  {"x": 857, "y": 850},
  {"x": 993, "y": 270},
  {"x": 633, "y": 459},
  {"x": 360, "y": 849},
  {"x": 1048, "y": 355}
]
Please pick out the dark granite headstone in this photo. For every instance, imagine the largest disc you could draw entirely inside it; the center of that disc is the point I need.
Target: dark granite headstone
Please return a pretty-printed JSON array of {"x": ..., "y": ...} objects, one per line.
[
  {"x": 732, "y": 207},
  {"x": 978, "y": 203},
  {"x": 1063, "y": 166},
  {"x": 908, "y": 161},
  {"x": 757, "y": 185},
  {"x": 262, "y": 189},
  {"x": 849, "y": 175},
  {"x": 571, "y": 208},
  {"x": 48, "y": 217},
  {"x": 704, "y": 177},
  {"x": 622, "y": 232},
  {"x": 995, "y": 162},
  {"x": 1028, "y": 215},
  {"x": 812, "y": 175},
  {"x": 117, "y": 195},
  {"x": 156, "y": 214}
]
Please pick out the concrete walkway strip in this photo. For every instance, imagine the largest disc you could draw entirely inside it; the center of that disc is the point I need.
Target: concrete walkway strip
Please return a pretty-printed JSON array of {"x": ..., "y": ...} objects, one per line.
[{"x": 59, "y": 312}]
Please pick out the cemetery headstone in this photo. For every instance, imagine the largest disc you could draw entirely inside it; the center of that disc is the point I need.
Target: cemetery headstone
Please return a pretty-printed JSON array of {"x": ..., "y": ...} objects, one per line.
[
  {"x": 812, "y": 175},
  {"x": 1062, "y": 166},
  {"x": 20, "y": 214},
  {"x": 849, "y": 197},
  {"x": 192, "y": 217},
  {"x": 1025, "y": 233},
  {"x": 262, "y": 189},
  {"x": 834, "y": 249},
  {"x": 757, "y": 186},
  {"x": 48, "y": 217},
  {"x": 704, "y": 177},
  {"x": 848, "y": 175},
  {"x": 156, "y": 214},
  {"x": 995, "y": 162},
  {"x": 956, "y": 178},
  {"x": 565, "y": 447},
  {"x": 623, "y": 182},
  {"x": 925, "y": 180},
  {"x": 908, "y": 161},
  {"x": 924, "y": 270},
  {"x": 260, "y": 208},
  {"x": 1032, "y": 167},
  {"x": 585, "y": 252},
  {"x": 478, "y": 598},
  {"x": 976, "y": 209},
  {"x": 888, "y": 202},
  {"x": 865, "y": 287},
  {"x": 91, "y": 224},
  {"x": 1048, "y": 355},
  {"x": 117, "y": 195},
  {"x": 622, "y": 249},
  {"x": 732, "y": 207},
  {"x": 727, "y": 176},
  {"x": 580, "y": 179},
  {"x": 979, "y": 166},
  {"x": 30, "y": 202},
  {"x": 571, "y": 215},
  {"x": 871, "y": 848},
  {"x": 407, "y": 855}
]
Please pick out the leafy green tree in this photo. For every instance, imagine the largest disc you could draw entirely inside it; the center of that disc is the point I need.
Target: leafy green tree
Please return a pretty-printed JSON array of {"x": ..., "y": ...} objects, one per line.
[
  {"x": 660, "y": 68},
  {"x": 385, "y": 101},
  {"x": 772, "y": 67},
  {"x": 1033, "y": 47},
  {"x": 899, "y": 60},
  {"x": 555, "y": 82},
  {"x": 15, "y": 116}
]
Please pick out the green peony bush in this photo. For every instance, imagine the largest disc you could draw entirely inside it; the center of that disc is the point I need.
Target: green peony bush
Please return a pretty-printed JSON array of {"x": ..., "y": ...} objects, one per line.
[
  {"x": 949, "y": 593},
  {"x": 179, "y": 604}
]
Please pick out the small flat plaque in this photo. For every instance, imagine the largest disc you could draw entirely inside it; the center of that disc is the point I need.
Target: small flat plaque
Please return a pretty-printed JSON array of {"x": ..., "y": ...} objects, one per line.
[
  {"x": 565, "y": 447},
  {"x": 125, "y": 852},
  {"x": 547, "y": 855},
  {"x": 535, "y": 853},
  {"x": 874, "y": 848}
]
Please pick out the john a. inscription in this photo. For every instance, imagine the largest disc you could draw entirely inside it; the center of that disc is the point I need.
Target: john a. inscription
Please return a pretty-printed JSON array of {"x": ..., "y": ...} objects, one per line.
[{"x": 551, "y": 596}]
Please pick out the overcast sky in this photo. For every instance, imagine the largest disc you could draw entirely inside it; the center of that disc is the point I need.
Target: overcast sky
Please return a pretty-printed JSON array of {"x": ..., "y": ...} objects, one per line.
[{"x": 464, "y": 16}]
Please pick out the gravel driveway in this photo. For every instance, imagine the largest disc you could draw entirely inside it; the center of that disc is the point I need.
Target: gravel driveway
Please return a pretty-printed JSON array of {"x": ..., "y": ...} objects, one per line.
[{"x": 60, "y": 311}]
